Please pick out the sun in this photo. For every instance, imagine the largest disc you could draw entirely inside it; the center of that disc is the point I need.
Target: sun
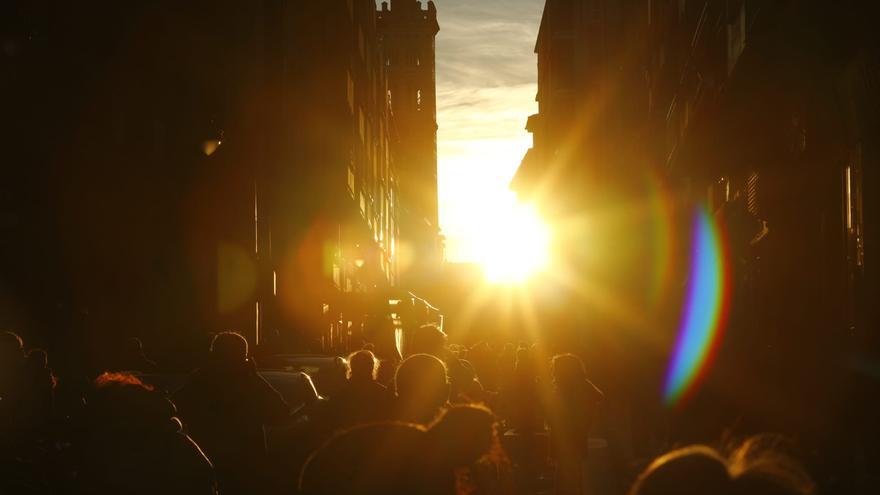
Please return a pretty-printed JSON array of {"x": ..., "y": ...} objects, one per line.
[{"x": 514, "y": 243}]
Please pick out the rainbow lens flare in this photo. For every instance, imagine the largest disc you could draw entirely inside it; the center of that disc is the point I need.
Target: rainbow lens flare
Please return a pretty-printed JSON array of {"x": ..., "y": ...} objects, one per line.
[{"x": 705, "y": 311}]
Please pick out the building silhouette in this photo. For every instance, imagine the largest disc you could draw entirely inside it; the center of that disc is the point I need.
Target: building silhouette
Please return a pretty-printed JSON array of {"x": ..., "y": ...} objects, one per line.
[
  {"x": 407, "y": 32},
  {"x": 205, "y": 166},
  {"x": 765, "y": 114},
  {"x": 333, "y": 199}
]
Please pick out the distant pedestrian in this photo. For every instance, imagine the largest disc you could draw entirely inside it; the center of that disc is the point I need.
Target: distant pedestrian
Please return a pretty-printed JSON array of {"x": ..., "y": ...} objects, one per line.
[
  {"x": 422, "y": 389},
  {"x": 362, "y": 399},
  {"x": 572, "y": 409},
  {"x": 753, "y": 469},
  {"x": 399, "y": 458},
  {"x": 225, "y": 406}
]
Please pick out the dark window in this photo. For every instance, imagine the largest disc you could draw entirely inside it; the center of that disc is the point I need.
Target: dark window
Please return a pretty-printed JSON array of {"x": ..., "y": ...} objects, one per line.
[
  {"x": 853, "y": 214},
  {"x": 563, "y": 63}
]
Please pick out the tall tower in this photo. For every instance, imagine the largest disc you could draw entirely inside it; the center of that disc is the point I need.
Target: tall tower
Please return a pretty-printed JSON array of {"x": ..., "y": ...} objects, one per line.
[{"x": 408, "y": 32}]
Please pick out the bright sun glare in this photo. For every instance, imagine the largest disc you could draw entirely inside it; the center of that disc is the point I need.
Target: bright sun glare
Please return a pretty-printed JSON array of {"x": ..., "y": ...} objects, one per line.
[{"x": 514, "y": 243}]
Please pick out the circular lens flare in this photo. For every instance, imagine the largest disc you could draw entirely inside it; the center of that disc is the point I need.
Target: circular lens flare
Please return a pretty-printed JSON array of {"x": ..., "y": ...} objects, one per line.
[{"x": 514, "y": 243}]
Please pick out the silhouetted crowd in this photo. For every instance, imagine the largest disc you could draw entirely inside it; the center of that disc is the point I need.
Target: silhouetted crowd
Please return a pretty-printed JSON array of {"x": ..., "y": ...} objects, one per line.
[{"x": 445, "y": 419}]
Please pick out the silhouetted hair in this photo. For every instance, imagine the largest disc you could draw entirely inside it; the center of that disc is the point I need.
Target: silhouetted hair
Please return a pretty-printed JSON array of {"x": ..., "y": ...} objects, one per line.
[
  {"x": 422, "y": 385},
  {"x": 38, "y": 362},
  {"x": 367, "y": 459},
  {"x": 362, "y": 364},
  {"x": 700, "y": 470},
  {"x": 427, "y": 339},
  {"x": 419, "y": 372},
  {"x": 229, "y": 347},
  {"x": 110, "y": 379},
  {"x": 568, "y": 369},
  {"x": 400, "y": 458},
  {"x": 122, "y": 399},
  {"x": 11, "y": 343},
  {"x": 524, "y": 362}
]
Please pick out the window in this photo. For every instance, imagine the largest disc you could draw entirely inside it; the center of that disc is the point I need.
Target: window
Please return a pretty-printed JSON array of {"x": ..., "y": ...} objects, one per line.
[
  {"x": 719, "y": 192},
  {"x": 350, "y": 92},
  {"x": 752, "y": 194},
  {"x": 853, "y": 214},
  {"x": 564, "y": 70},
  {"x": 736, "y": 38},
  {"x": 351, "y": 173},
  {"x": 351, "y": 182}
]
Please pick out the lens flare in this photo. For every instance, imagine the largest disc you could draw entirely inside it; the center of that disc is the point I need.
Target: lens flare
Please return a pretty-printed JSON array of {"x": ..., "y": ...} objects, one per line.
[{"x": 705, "y": 311}]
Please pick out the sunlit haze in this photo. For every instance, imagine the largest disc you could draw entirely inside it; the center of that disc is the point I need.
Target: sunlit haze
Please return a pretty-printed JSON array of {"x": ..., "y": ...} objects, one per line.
[
  {"x": 486, "y": 84},
  {"x": 515, "y": 244}
]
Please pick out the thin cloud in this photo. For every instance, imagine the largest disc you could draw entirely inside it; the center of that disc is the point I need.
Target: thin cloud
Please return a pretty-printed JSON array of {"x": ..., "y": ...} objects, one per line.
[{"x": 486, "y": 83}]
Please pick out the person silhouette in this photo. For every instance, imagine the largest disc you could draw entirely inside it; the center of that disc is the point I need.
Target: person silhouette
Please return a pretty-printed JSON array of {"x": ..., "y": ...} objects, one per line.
[
  {"x": 520, "y": 404},
  {"x": 367, "y": 459},
  {"x": 362, "y": 399},
  {"x": 573, "y": 405},
  {"x": 464, "y": 385},
  {"x": 134, "y": 358},
  {"x": 225, "y": 406},
  {"x": 131, "y": 442},
  {"x": 456, "y": 443},
  {"x": 422, "y": 388},
  {"x": 399, "y": 458},
  {"x": 38, "y": 396},
  {"x": 752, "y": 469}
]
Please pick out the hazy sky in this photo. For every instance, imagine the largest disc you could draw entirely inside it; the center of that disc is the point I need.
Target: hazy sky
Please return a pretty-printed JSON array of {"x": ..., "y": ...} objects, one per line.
[{"x": 486, "y": 84}]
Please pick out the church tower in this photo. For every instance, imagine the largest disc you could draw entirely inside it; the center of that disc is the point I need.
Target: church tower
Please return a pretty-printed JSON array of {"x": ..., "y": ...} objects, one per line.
[{"x": 408, "y": 32}]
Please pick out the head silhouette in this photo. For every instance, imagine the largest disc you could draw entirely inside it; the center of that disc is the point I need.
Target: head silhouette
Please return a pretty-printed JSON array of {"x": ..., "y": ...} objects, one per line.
[
  {"x": 368, "y": 459},
  {"x": 427, "y": 339},
  {"x": 700, "y": 470},
  {"x": 122, "y": 399},
  {"x": 229, "y": 349},
  {"x": 37, "y": 359},
  {"x": 462, "y": 435},
  {"x": 568, "y": 370},
  {"x": 422, "y": 385},
  {"x": 525, "y": 362},
  {"x": 694, "y": 470},
  {"x": 362, "y": 365}
]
